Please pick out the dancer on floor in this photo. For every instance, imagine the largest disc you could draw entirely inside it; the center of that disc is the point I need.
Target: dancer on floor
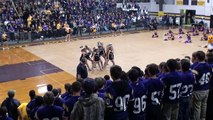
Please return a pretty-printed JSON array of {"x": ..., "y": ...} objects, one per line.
[
  {"x": 188, "y": 36},
  {"x": 155, "y": 34},
  {"x": 109, "y": 54}
]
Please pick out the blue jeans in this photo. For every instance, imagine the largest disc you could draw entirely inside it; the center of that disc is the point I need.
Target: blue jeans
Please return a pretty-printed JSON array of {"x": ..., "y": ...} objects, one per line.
[{"x": 185, "y": 105}]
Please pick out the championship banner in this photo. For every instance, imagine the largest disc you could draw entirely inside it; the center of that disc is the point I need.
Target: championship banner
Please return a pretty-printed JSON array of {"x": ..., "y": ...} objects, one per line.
[
  {"x": 179, "y": 2},
  {"x": 201, "y": 2}
]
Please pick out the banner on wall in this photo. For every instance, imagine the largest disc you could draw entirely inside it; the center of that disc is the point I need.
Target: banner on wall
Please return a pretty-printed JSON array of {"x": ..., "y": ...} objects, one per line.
[
  {"x": 179, "y": 2},
  {"x": 201, "y": 2}
]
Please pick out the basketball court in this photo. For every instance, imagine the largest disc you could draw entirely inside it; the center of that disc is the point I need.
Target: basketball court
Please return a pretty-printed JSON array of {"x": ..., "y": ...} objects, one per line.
[{"x": 23, "y": 69}]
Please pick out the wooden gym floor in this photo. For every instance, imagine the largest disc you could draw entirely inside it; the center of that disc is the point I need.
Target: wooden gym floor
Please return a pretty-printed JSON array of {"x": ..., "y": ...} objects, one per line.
[{"x": 23, "y": 69}]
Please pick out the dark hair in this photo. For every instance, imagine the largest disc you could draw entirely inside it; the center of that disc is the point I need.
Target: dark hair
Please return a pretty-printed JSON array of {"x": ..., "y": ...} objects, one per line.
[
  {"x": 141, "y": 73},
  {"x": 178, "y": 64},
  {"x": 55, "y": 92},
  {"x": 124, "y": 76},
  {"x": 39, "y": 100},
  {"x": 66, "y": 86},
  {"x": 194, "y": 56},
  {"x": 49, "y": 87},
  {"x": 59, "y": 91},
  {"x": 172, "y": 65},
  {"x": 115, "y": 72},
  {"x": 100, "y": 82},
  {"x": 187, "y": 57},
  {"x": 200, "y": 55},
  {"x": 152, "y": 69},
  {"x": 3, "y": 111},
  {"x": 107, "y": 77},
  {"x": 185, "y": 65},
  {"x": 32, "y": 94},
  {"x": 76, "y": 86},
  {"x": 89, "y": 86},
  {"x": 146, "y": 72},
  {"x": 209, "y": 58},
  {"x": 49, "y": 98},
  {"x": 133, "y": 74}
]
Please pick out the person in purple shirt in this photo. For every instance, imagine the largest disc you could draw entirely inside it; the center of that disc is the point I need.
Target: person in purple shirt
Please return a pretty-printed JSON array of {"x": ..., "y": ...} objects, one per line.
[
  {"x": 155, "y": 90},
  {"x": 108, "y": 81},
  {"x": 203, "y": 73},
  {"x": 3, "y": 114},
  {"x": 100, "y": 82},
  {"x": 31, "y": 105},
  {"x": 194, "y": 60},
  {"x": 138, "y": 110},
  {"x": 188, "y": 81},
  {"x": 118, "y": 96},
  {"x": 38, "y": 102},
  {"x": 58, "y": 101},
  {"x": 69, "y": 103},
  {"x": 49, "y": 110},
  {"x": 172, "y": 84},
  {"x": 66, "y": 87}
]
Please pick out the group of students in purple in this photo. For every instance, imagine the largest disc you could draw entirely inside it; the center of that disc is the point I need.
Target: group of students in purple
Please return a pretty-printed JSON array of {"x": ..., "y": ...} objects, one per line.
[
  {"x": 96, "y": 55},
  {"x": 170, "y": 35}
]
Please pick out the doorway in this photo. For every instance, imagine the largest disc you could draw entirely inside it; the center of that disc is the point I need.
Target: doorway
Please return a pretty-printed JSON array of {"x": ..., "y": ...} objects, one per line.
[{"x": 190, "y": 16}]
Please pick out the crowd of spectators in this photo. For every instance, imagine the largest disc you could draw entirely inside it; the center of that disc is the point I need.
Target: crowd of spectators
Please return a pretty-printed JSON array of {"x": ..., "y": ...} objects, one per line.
[
  {"x": 178, "y": 89},
  {"x": 47, "y": 17}
]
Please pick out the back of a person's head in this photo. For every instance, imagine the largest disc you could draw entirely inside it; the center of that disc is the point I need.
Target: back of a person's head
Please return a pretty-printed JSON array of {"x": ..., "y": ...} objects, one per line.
[
  {"x": 3, "y": 111},
  {"x": 59, "y": 91},
  {"x": 107, "y": 77},
  {"x": 172, "y": 65},
  {"x": 185, "y": 65},
  {"x": 124, "y": 76},
  {"x": 178, "y": 64},
  {"x": 39, "y": 100},
  {"x": 32, "y": 94},
  {"x": 200, "y": 55},
  {"x": 141, "y": 73},
  {"x": 115, "y": 72},
  {"x": 163, "y": 67},
  {"x": 89, "y": 86},
  {"x": 49, "y": 87},
  {"x": 49, "y": 98},
  {"x": 55, "y": 92},
  {"x": 133, "y": 74},
  {"x": 152, "y": 69},
  {"x": 209, "y": 58},
  {"x": 100, "y": 82},
  {"x": 194, "y": 57},
  {"x": 11, "y": 93},
  {"x": 76, "y": 87},
  {"x": 66, "y": 86}
]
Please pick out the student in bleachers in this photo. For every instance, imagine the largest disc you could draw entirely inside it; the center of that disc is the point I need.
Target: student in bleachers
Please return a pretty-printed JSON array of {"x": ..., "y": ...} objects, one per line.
[
  {"x": 38, "y": 103},
  {"x": 118, "y": 96},
  {"x": 188, "y": 81},
  {"x": 3, "y": 114},
  {"x": 31, "y": 105},
  {"x": 66, "y": 87},
  {"x": 138, "y": 111},
  {"x": 49, "y": 110},
  {"x": 89, "y": 106},
  {"x": 155, "y": 91},
  {"x": 57, "y": 101},
  {"x": 100, "y": 82},
  {"x": 172, "y": 85},
  {"x": 11, "y": 104},
  {"x": 201, "y": 88},
  {"x": 69, "y": 103}
]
